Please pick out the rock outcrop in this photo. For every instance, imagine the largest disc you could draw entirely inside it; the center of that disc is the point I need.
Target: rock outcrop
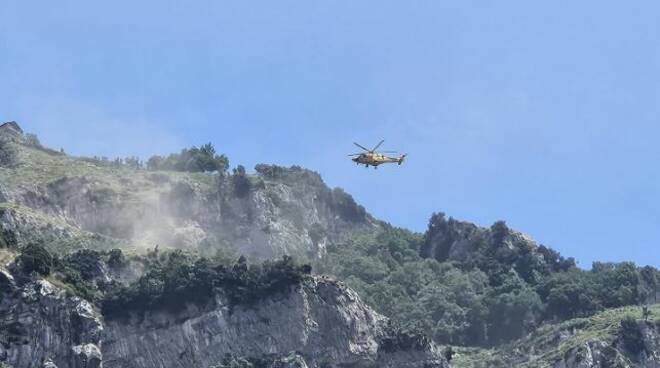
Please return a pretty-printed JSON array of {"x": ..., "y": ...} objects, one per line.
[
  {"x": 460, "y": 241},
  {"x": 600, "y": 353},
  {"x": 320, "y": 323},
  {"x": 616, "y": 338},
  {"x": 11, "y": 129},
  {"x": 40, "y": 325},
  {"x": 467, "y": 244}
]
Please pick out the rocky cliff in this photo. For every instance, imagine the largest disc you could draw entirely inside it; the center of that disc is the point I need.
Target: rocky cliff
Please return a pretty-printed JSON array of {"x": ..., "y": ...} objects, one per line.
[
  {"x": 44, "y": 326},
  {"x": 448, "y": 239},
  {"x": 319, "y": 323},
  {"x": 495, "y": 249}
]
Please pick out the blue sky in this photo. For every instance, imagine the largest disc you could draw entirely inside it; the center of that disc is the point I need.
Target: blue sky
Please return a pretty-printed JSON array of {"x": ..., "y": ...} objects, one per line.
[{"x": 544, "y": 114}]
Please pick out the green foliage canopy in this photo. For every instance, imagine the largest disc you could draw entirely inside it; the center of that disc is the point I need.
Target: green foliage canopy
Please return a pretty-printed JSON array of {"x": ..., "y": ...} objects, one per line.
[
  {"x": 35, "y": 258},
  {"x": 194, "y": 159},
  {"x": 497, "y": 294},
  {"x": 180, "y": 279}
]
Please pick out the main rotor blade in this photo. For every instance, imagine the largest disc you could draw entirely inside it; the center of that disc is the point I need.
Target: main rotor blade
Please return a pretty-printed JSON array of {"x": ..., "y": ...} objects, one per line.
[
  {"x": 388, "y": 151},
  {"x": 355, "y": 154},
  {"x": 378, "y": 145},
  {"x": 364, "y": 148}
]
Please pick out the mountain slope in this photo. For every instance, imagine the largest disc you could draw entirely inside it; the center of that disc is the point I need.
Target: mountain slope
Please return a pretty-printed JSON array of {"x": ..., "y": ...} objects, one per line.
[
  {"x": 274, "y": 212},
  {"x": 176, "y": 235}
]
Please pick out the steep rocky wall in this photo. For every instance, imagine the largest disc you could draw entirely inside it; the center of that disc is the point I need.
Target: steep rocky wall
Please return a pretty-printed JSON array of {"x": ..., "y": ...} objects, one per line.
[
  {"x": 40, "y": 324},
  {"x": 318, "y": 324},
  {"x": 290, "y": 211},
  {"x": 323, "y": 321}
]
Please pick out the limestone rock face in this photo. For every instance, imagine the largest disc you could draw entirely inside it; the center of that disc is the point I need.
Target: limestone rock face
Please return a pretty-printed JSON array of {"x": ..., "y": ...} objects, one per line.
[
  {"x": 454, "y": 240},
  {"x": 290, "y": 211},
  {"x": 320, "y": 323},
  {"x": 41, "y": 325},
  {"x": 323, "y": 321}
]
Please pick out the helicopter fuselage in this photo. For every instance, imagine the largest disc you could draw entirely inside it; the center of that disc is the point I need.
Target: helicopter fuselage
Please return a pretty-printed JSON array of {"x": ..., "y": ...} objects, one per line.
[
  {"x": 375, "y": 159},
  {"x": 371, "y": 157}
]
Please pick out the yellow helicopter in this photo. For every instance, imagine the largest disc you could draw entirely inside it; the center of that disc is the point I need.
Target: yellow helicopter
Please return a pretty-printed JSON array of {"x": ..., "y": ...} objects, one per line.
[{"x": 372, "y": 158}]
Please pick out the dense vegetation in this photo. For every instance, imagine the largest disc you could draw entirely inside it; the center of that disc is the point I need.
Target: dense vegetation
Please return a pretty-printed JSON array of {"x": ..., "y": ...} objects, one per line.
[
  {"x": 177, "y": 279},
  {"x": 171, "y": 279},
  {"x": 79, "y": 270},
  {"x": 493, "y": 296},
  {"x": 35, "y": 258}
]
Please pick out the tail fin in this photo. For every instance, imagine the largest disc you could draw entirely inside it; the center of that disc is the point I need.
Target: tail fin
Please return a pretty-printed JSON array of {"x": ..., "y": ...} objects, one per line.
[{"x": 402, "y": 158}]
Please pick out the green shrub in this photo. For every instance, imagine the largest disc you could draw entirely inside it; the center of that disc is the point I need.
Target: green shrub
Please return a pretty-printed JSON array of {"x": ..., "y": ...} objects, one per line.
[
  {"x": 116, "y": 259},
  {"x": 78, "y": 284},
  {"x": 35, "y": 258},
  {"x": 86, "y": 262}
]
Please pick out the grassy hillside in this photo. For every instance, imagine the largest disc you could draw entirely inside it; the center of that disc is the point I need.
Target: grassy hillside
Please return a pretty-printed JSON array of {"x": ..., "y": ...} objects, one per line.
[
  {"x": 551, "y": 343},
  {"x": 40, "y": 167}
]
